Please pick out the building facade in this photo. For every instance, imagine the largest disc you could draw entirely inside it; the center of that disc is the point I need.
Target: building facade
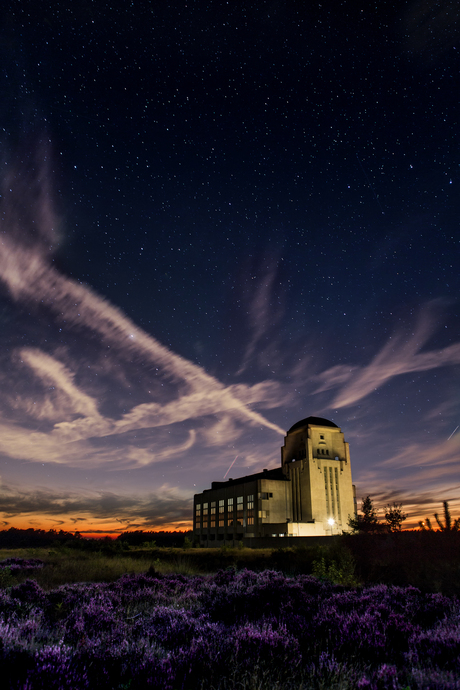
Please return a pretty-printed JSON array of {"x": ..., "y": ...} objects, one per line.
[{"x": 311, "y": 494}]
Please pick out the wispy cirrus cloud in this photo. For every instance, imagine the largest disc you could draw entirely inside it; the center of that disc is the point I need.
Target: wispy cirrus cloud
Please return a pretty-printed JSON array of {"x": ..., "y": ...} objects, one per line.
[
  {"x": 167, "y": 505},
  {"x": 400, "y": 355},
  {"x": 77, "y": 405},
  {"x": 425, "y": 455},
  {"x": 264, "y": 305},
  {"x": 67, "y": 396}
]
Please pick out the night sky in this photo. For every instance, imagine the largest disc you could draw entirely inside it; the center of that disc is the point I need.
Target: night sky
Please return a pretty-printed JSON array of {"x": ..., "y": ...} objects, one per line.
[{"x": 218, "y": 218}]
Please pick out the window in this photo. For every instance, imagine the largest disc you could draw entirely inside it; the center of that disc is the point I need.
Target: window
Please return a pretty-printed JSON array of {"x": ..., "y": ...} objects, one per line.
[
  {"x": 239, "y": 510},
  {"x": 264, "y": 495},
  {"x": 221, "y": 512},
  {"x": 321, "y": 437},
  {"x": 197, "y": 515},
  {"x": 332, "y": 491},
  {"x": 326, "y": 492},
  {"x": 205, "y": 516},
  {"x": 250, "y": 509},
  {"x": 337, "y": 490},
  {"x": 264, "y": 513},
  {"x": 230, "y": 512},
  {"x": 213, "y": 514}
]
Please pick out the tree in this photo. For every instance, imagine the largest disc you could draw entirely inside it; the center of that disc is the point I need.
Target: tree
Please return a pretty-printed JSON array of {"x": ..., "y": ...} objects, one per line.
[
  {"x": 394, "y": 517},
  {"x": 368, "y": 522},
  {"x": 448, "y": 526}
]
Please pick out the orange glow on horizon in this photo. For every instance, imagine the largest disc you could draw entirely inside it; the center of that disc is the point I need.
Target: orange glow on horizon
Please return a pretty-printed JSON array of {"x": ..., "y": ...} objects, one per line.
[
  {"x": 94, "y": 529},
  {"x": 91, "y": 529}
]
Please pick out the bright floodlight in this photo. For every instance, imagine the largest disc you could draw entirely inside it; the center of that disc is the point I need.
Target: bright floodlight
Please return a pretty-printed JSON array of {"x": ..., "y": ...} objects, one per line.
[{"x": 331, "y": 521}]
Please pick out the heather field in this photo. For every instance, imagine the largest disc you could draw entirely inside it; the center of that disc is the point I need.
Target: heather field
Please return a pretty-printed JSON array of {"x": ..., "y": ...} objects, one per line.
[{"x": 155, "y": 627}]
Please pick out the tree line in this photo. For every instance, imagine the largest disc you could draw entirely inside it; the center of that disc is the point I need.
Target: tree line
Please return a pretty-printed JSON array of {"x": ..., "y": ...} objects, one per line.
[{"x": 369, "y": 523}]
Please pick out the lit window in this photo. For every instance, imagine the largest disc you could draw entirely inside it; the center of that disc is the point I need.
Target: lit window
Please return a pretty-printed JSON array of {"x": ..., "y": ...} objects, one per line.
[
  {"x": 239, "y": 510},
  {"x": 250, "y": 509},
  {"x": 230, "y": 512},
  {"x": 213, "y": 514},
  {"x": 197, "y": 515}
]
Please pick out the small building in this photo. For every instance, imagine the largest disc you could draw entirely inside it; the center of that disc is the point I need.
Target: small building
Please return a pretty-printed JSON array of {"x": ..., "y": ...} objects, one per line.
[{"x": 310, "y": 495}]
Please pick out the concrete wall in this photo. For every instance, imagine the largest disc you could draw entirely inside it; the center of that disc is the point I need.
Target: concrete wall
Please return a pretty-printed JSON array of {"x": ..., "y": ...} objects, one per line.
[{"x": 285, "y": 542}]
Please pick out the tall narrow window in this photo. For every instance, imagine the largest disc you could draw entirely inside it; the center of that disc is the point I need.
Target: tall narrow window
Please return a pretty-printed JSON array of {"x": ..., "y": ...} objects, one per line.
[
  {"x": 239, "y": 510},
  {"x": 213, "y": 514},
  {"x": 250, "y": 509},
  {"x": 337, "y": 491},
  {"x": 328, "y": 512},
  {"x": 230, "y": 512},
  {"x": 197, "y": 515},
  {"x": 332, "y": 492},
  {"x": 205, "y": 516},
  {"x": 221, "y": 512}
]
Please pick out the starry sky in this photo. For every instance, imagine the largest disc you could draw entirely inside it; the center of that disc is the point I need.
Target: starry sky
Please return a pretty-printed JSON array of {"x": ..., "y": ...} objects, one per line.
[{"x": 218, "y": 218}]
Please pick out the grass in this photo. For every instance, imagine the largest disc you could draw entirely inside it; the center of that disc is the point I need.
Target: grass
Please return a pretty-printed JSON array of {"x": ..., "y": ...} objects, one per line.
[
  {"x": 65, "y": 565},
  {"x": 429, "y": 561}
]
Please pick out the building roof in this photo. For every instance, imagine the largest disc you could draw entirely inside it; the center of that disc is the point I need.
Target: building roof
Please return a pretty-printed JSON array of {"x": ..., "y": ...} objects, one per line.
[
  {"x": 276, "y": 473},
  {"x": 314, "y": 421}
]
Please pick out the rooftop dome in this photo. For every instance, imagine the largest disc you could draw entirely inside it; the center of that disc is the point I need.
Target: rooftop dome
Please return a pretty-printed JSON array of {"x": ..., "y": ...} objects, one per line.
[{"x": 315, "y": 421}]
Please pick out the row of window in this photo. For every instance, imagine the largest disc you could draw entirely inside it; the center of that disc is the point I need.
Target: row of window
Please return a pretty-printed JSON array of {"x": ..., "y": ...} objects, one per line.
[
  {"x": 229, "y": 512},
  {"x": 227, "y": 505}
]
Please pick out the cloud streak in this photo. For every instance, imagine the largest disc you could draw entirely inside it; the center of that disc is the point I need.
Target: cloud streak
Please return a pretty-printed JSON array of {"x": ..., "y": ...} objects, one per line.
[
  {"x": 27, "y": 276},
  {"x": 265, "y": 310},
  {"x": 188, "y": 392},
  {"x": 400, "y": 355},
  {"x": 167, "y": 505}
]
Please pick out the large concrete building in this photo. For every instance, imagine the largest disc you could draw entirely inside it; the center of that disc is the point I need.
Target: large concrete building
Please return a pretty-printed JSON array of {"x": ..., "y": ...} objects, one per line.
[{"x": 311, "y": 494}]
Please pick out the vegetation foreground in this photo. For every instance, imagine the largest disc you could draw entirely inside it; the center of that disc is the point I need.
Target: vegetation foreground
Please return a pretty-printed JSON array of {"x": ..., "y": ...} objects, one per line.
[{"x": 232, "y": 629}]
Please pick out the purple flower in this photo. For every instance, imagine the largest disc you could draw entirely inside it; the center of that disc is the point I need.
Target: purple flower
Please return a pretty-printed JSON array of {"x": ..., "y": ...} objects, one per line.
[{"x": 28, "y": 592}]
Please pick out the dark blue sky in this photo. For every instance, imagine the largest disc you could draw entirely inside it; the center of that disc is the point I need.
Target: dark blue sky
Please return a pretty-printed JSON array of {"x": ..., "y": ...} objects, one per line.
[{"x": 220, "y": 218}]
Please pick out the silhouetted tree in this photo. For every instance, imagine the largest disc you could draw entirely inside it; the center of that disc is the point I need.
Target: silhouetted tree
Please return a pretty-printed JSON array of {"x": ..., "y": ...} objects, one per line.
[
  {"x": 368, "y": 522},
  {"x": 448, "y": 526},
  {"x": 394, "y": 517}
]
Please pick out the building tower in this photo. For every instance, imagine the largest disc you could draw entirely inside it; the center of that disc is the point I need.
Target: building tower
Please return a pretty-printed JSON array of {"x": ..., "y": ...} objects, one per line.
[{"x": 315, "y": 459}]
